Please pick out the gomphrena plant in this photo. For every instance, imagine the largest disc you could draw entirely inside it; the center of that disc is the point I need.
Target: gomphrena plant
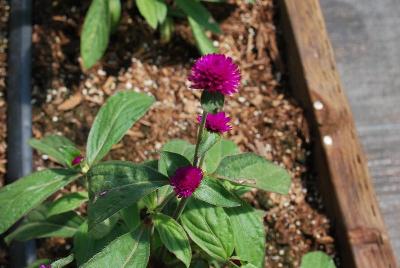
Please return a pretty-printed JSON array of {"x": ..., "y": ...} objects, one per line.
[
  {"x": 103, "y": 16},
  {"x": 181, "y": 210}
]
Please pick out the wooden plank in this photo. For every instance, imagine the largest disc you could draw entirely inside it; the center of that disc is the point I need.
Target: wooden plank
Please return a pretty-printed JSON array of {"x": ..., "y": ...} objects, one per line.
[
  {"x": 339, "y": 160},
  {"x": 364, "y": 36}
]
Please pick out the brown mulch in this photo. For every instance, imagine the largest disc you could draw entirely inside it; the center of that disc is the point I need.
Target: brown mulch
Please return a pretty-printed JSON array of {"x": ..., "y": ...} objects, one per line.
[{"x": 266, "y": 119}]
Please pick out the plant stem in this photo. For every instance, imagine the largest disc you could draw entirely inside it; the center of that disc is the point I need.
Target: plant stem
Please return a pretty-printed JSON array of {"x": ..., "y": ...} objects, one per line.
[
  {"x": 179, "y": 209},
  {"x": 199, "y": 134}
]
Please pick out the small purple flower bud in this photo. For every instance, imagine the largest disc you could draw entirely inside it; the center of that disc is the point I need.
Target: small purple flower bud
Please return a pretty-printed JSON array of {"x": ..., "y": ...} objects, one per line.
[
  {"x": 45, "y": 266},
  {"x": 215, "y": 73},
  {"x": 77, "y": 160},
  {"x": 217, "y": 122},
  {"x": 186, "y": 180}
]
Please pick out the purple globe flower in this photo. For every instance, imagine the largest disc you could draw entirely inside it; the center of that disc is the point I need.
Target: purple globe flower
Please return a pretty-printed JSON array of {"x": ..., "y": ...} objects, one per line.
[
  {"x": 217, "y": 122},
  {"x": 215, "y": 73},
  {"x": 45, "y": 266},
  {"x": 186, "y": 180},
  {"x": 77, "y": 160}
]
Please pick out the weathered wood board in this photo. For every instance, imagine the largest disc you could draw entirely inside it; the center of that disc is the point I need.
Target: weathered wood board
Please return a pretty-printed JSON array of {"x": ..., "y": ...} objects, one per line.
[
  {"x": 365, "y": 35},
  {"x": 339, "y": 160}
]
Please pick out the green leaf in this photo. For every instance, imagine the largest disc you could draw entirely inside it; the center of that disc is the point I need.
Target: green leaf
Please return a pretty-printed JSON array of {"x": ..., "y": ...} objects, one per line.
[
  {"x": 37, "y": 263},
  {"x": 62, "y": 225},
  {"x": 85, "y": 246},
  {"x": 95, "y": 32},
  {"x": 163, "y": 192},
  {"x": 115, "y": 13},
  {"x": 208, "y": 140},
  {"x": 58, "y": 148},
  {"x": 166, "y": 30},
  {"x": 169, "y": 162},
  {"x": 210, "y": 228},
  {"x": 212, "y": 102},
  {"x": 129, "y": 250},
  {"x": 131, "y": 216},
  {"x": 181, "y": 147},
  {"x": 151, "y": 163},
  {"x": 154, "y": 11},
  {"x": 255, "y": 171},
  {"x": 213, "y": 192},
  {"x": 103, "y": 228},
  {"x": 199, "y": 14},
  {"x": 150, "y": 200},
  {"x": 173, "y": 237},
  {"x": 115, "y": 117},
  {"x": 63, "y": 262},
  {"x": 20, "y": 197},
  {"x": 204, "y": 44},
  {"x": 66, "y": 203},
  {"x": 249, "y": 233},
  {"x": 116, "y": 185},
  {"x": 317, "y": 259},
  {"x": 217, "y": 152}
]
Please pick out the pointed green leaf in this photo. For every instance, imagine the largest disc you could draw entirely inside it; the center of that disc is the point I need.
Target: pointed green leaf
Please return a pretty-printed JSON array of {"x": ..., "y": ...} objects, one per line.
[
  {"x": 181, "y": 147},
  {"x": 217, "y": 152},
  {"x": 131, "y": 216},
  {"x": 173, "y": 237},
  {"x": 29, "y": 191},
  {"x": 213, "y": 192},
  {"x": 169, "y": 162},
  {"x": 58, "y": 148},
  {"x": 151, "y": 163},
  {"x": 85, "y": 246},
  {"x": 210, "y": 228},
  {"x": 66, "y": 203},
  {"x": 255, "y": 171},
  {"x": 208, "y": 140},
  {"x": 199, "y": 14},
  {"x": 38, "y": 262},
  {"x": 129, "y": 250},
  {"x": 154, "y": 11},
  {"x": 115, "y": 13},
  {"x": 204, "y": 44},
  {"x": 317, "y": 259},
  {"x": 116, "y": 185},
  {"x": 249, "y": 233},
  {"x": 167, "y": 30},
  {"x": 113, "y": 121},
  {"x": 103, "y": 228},
  {"x": 62, "y": 225},
  {"x": 95, "y": 32},
  {"x": 212, "y": 102},
  {"x": 63, "y": 262}
]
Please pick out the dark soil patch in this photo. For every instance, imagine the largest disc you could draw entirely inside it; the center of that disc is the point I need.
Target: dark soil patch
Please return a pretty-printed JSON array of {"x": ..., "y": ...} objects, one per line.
[{"x": 266, "y": 119}]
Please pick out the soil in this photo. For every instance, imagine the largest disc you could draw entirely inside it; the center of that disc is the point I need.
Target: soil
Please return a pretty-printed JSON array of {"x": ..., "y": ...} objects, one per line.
[{"x": 266, "y": 119}]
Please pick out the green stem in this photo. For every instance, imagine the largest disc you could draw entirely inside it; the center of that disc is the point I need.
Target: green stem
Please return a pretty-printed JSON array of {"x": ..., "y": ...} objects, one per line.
[
  {"x": 199, "y": 134},
  {"x": 179, "y": 209}
]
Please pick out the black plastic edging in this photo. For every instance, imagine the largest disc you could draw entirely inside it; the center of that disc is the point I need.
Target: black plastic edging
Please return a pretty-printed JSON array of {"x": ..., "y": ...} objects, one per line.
[{"x": 19, "y": 111}]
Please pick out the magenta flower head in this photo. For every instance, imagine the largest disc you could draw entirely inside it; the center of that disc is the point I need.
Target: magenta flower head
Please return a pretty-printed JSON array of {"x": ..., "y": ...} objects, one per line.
[
  {"x": 215, "y": 73},
  {"x": 77, "y": 160},
  {"x": 186, "y": 180},
  {"x": 45, "y": 266},
  {"x": 217, "y": 122}
]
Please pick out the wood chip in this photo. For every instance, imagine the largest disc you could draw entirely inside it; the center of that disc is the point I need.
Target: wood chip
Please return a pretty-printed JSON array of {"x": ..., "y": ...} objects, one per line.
[{"x": 71, "y": 102}]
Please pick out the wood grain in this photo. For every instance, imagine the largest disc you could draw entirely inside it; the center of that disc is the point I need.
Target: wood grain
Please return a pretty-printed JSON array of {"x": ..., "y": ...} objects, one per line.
[
  {"x": 365, "y": 36},
  {"x": 339, "y": 160}
]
